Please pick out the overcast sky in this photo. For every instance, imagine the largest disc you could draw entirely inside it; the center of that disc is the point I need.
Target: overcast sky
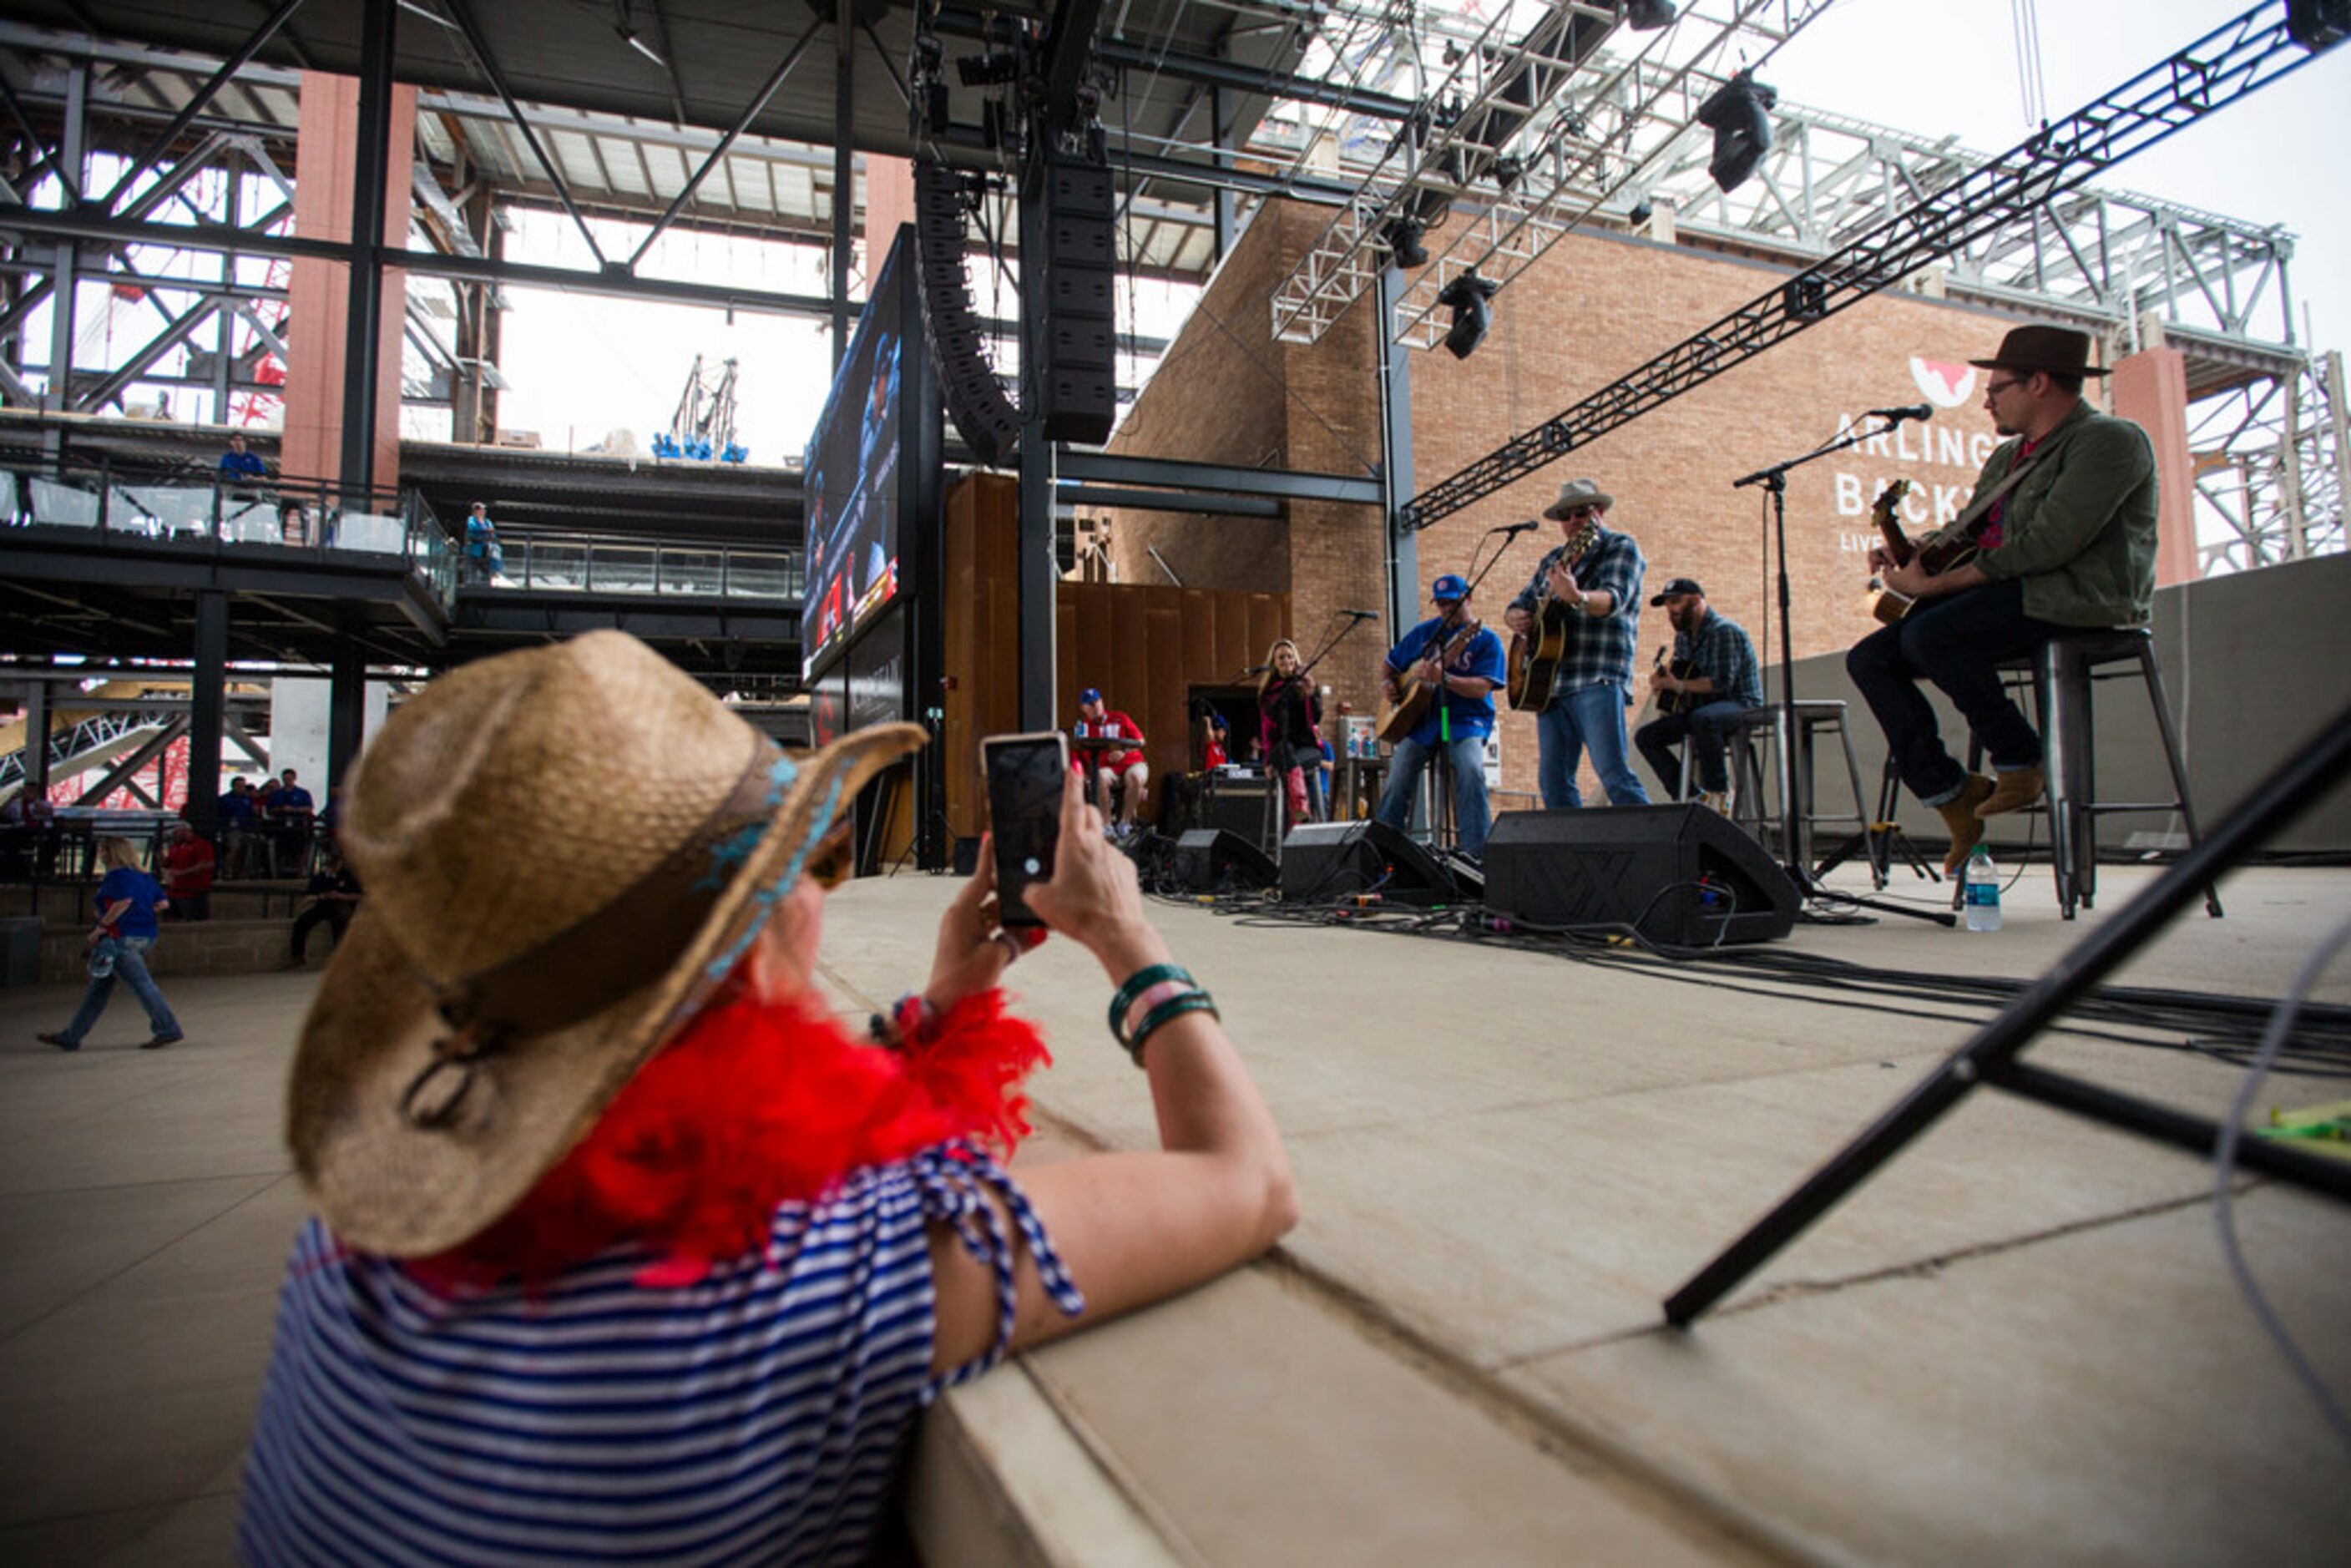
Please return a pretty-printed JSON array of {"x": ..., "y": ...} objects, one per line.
[{"x": 584, "y": 367}]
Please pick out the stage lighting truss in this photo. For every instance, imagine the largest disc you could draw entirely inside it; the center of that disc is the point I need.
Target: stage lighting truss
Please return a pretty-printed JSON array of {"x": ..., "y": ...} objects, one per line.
[{"x": 1575, "y": 108}]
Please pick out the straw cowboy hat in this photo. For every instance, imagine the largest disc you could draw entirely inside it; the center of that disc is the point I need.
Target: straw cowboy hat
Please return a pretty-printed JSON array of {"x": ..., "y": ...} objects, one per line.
[
  {"x": 565, "y": 851},
  {"x": 1579, "y": 493},
  {"x": 2060, "y": 351}
]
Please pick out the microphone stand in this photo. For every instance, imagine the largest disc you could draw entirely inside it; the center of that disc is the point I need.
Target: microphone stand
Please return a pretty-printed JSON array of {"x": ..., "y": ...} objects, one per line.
[{"x": 1774, "y": 480}]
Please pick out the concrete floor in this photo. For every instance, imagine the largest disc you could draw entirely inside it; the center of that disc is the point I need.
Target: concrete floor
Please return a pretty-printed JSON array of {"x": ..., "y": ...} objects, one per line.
[{"x": 2018, "y": 1343}]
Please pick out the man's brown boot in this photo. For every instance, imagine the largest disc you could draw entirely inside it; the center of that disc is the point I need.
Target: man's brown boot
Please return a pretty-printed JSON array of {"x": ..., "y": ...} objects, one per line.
[
  {"x": 1959, "y": 815},
  {"x": 2015, "y": 791}
]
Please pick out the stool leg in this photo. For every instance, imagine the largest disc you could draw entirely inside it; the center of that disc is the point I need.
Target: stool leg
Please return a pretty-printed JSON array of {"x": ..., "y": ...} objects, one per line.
[
  {"x": 2179, "y": 762},
  {"x": 2056, "y": 696}
]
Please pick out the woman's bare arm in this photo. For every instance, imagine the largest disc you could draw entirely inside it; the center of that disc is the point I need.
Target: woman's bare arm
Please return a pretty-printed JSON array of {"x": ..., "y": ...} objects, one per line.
[{"x": 1130, "y": 1227}]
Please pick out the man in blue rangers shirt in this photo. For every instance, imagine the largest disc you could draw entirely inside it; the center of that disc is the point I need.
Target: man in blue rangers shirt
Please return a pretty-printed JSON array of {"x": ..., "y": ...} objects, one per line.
[
  {"x": 1457, "y": 724},
  {"x": 1598, "y": 578},
  {"x": 1727, "y": 686}
]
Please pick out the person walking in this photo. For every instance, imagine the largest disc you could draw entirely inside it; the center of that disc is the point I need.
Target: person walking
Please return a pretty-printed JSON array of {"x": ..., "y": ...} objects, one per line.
[{"x": 127, "y": 927}]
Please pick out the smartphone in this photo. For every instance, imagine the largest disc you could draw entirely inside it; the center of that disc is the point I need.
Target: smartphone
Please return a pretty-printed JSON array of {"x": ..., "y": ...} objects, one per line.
[{"x": 1026, "y": 775}]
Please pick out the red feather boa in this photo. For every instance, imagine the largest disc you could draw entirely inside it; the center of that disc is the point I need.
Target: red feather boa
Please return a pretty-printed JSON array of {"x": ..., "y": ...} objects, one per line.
[{"x": 756, "y": 1104}]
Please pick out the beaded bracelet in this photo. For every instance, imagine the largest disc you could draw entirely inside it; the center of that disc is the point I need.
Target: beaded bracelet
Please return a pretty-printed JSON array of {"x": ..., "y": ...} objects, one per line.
[
  {"x": 1193, "y": 1001},
  {"x": 1141, "y": 981}
]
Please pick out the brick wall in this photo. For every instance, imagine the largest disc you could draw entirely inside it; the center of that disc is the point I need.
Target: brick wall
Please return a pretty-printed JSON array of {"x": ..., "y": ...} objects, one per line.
[{"x": 1595, "y": 307}]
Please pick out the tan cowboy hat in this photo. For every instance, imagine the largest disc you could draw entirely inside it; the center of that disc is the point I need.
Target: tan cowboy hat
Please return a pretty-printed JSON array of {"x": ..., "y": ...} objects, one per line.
[
  {"x": 2060, "y": 351},
  {"x": 1579, "y": 493},
  {"x": 565, "y": 851}
]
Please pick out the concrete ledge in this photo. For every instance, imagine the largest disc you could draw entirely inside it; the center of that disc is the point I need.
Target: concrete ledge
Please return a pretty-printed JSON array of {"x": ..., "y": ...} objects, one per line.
[
  {"x": 186, "y": 948},
  {"x": 999, "y": 1480}
]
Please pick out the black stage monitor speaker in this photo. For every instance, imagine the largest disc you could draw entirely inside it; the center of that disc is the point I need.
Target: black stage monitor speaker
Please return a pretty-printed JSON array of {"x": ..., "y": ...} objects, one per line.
[
  {"x": 1211, "y": 860},
  {"x": 1325, "y": 861},
  {"x": 1683, "y": 876}
]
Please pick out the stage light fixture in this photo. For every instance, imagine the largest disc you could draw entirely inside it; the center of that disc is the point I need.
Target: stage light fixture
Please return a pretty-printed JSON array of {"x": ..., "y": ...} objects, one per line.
[
  {"x": 1806, "y": 299},
  {"x": 1738, "y": 112},
  {"x": 992, "y": 68},
  {"x": 1648, "y": 16},
  {"x": 1640, "y": 213},
  {"x": 1507, "y": 168},
  {"x": 2318, "y": 24},
  {"x": 1402, "y": 238},
  {"x": 1466, "y": 295}
]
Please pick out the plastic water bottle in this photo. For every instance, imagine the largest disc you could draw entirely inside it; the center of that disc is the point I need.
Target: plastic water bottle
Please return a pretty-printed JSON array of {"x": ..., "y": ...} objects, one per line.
[{"x": 1982, "y": 887}]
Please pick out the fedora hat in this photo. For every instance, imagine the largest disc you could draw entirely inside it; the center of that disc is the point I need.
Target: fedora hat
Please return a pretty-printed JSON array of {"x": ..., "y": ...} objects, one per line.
[
  {"x": 565, "y": 851},
  {"x": 2059, "y": 350},
  {"x": 1579, "y": 493}
]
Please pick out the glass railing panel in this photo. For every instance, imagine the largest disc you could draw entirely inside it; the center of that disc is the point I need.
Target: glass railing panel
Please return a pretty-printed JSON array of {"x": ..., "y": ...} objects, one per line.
[
  {"x": 550, "y": 563},
  {"x": 693, "y": 571},
  {"x": 624, "y": 569}
]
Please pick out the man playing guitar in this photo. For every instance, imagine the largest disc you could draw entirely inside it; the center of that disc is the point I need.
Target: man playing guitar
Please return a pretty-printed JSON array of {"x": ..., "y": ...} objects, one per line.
[
  {"x": 1592, "y": 578},
  {"x": 2070, "y": 505},
  {"x": 1701, "y": 701},
  {"x": 1461, "y": 662}
]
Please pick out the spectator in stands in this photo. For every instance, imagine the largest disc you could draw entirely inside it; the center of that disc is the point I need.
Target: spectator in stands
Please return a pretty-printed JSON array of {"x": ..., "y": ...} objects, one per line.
[
  {"x": 291, "y": 813},
  {"x": 237, "y": 464},
  {"x": 484, "y": 557},
  {"x": 627, "y": 1247},
  {"x": 334, "y": 898},
  {"x": 235, "y": 812},
  {"x": 127, "y": 927},
  {"x": 188, "y": 873}
]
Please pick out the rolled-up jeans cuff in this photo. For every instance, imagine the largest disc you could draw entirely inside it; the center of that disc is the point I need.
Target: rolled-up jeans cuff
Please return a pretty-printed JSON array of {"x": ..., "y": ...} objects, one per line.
[{"x": 1945, "y": 796}]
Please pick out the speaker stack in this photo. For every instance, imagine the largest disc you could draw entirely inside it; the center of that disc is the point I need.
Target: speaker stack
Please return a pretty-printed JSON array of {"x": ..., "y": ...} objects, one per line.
[
  {"x": 1322, "y": 861},
  {"x": 983, "y": 415},
  {"x": 1683, "y": 876},
  {"x": 1081, "y": 381}
]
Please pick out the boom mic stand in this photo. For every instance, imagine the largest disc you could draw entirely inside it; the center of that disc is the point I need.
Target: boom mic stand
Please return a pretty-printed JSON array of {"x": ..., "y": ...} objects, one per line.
[{"x": 1774, "y": 480}]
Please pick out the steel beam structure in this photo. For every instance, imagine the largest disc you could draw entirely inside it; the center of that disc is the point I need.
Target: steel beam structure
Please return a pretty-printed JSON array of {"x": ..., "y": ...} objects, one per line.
[{"x": 2236, "y": 58}]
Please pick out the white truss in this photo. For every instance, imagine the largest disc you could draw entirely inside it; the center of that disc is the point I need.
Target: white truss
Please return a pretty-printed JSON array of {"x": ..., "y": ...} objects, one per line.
[{"x": 1602, "y": 120}]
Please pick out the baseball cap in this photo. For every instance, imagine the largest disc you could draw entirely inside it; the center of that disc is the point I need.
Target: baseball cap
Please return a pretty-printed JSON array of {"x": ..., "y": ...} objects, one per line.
[
  {"x": 1449, "y": 586},
  {"x": 1676, "y": 587},
  {"x": 1091, "y": 695}
]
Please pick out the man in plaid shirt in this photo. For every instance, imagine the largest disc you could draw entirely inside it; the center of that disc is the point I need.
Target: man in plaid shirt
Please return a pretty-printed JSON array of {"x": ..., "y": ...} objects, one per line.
[
  {"x": 1728, "y": 685},
  {"x": 1601, "y": 588}
]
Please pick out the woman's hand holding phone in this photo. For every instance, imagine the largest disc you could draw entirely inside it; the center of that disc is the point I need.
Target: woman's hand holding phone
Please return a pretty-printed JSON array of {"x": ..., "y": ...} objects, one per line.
[{"x": 1094, "y": 897}]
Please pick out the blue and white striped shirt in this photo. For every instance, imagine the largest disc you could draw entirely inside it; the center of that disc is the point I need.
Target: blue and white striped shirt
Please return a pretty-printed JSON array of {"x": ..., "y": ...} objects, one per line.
[{"x": 756, "y": 1415}]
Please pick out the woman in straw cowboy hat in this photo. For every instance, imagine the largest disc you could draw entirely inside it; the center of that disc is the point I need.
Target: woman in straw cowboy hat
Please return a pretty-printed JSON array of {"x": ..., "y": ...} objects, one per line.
[{"x": 625, "y": 1248}]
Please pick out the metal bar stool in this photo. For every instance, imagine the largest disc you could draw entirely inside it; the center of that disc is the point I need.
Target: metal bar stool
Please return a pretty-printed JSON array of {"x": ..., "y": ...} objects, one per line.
[
  {"x": 1747, "y": 791},
  {"x": 2061, "y": 674}
]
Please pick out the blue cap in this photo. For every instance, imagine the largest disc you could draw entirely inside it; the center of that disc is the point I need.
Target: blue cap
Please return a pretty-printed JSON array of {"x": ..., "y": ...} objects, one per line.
[
  {"x": 1091, "y": 695},
  {"x": 1449, "y": 586}
]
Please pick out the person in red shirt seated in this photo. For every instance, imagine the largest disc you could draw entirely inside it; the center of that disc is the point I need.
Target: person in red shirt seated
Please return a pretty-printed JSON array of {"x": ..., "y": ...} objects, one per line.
[
  {"x": 1120, "y": 772},
  {"x": 188, "y": 873},
  {"x": 1216, "y": 751}
]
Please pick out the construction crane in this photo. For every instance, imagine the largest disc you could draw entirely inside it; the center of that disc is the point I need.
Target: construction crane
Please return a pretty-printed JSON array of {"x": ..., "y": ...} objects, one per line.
[{"x": 703, "y": 428}]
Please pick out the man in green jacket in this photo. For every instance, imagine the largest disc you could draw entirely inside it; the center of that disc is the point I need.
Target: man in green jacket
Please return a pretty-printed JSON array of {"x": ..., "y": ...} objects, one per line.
[{"x": 2069, "y": 543}]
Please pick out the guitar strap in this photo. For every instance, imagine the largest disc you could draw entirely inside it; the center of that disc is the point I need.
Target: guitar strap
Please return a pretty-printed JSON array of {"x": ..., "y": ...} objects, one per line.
[{"x": 1990, "y": 498}]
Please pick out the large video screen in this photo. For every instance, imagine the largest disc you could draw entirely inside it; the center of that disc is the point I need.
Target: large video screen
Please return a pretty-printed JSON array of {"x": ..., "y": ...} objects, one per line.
[{"x": 851, "y": 478}]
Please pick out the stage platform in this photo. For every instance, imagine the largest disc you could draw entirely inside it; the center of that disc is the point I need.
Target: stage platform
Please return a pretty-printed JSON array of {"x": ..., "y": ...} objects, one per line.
[{"x": 2017, "y": 1344}]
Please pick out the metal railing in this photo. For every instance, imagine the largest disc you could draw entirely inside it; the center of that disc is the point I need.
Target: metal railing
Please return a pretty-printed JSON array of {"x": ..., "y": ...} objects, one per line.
[
  {"x": 579, "y": 563},
  {"x": 190, "y": 508}
]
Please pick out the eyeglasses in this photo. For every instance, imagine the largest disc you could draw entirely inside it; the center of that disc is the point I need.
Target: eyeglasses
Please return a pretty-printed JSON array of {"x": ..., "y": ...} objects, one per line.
[
  {"x": 1993, "y": 388},
  {"x": 1572, "y": 513}
]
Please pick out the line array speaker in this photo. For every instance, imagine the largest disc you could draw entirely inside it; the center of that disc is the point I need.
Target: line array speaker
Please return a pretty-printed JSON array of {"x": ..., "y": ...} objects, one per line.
[
  {"x": 1682, "y": 875},
  {"x": 1081, "y": 379},
  {"x": 983, "y": 415},
  {"x": 1324, "y": 860}
]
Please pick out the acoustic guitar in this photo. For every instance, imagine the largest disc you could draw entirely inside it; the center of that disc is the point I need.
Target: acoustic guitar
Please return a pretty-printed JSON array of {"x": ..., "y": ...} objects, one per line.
[
  {"x": 1401, "y": 717},
  {"x": 1535, "y": 653},
  {"x": 1939, "y": 551},
  {"x": 1669, "y": 700}
]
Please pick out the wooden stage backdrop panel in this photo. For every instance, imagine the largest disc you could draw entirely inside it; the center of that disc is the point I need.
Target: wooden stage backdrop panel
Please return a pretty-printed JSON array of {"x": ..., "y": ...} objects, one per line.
[{"x": 1145, "y": 645}]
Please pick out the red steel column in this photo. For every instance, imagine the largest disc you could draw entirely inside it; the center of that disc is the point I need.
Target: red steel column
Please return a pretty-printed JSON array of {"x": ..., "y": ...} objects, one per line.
[{"x": 2151, "y": 389}]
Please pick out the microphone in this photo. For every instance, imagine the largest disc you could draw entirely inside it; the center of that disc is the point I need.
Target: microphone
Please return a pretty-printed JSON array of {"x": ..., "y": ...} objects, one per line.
[
  {"x": 1908, "y": 411},
  {"x": 1515, "y": 527},
  {"x": 1362, "y": 614}
]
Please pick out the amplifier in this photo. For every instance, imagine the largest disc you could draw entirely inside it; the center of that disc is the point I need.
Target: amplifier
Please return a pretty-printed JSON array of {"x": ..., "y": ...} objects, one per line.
[{"x": 1322, "y": 861}]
